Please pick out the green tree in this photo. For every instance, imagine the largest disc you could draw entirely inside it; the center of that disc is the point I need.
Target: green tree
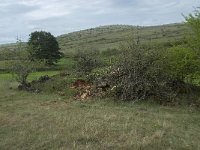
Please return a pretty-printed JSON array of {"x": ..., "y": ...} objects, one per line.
[
  {"x": 183, "y": 63},
  {"x": 44, "y": 46},
  {"x": 193, "y": 21}
]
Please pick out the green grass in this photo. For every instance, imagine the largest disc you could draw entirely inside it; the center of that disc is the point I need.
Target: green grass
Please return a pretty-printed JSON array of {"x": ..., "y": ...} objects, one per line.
[
  {"x": 47, "y": 121},
  {"x": 36, "y": 75},
  {"x": 67, "y": 63},
  {"x": 6, "y": 76},
  {"x": 63, "y": 64}
]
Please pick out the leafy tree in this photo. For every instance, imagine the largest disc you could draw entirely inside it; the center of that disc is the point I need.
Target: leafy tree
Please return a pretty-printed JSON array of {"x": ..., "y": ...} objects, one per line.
[
  {"x": 193, "y": 21},
  {"x": 44, "y": 46},
  {"x": 183, "y": 62}
]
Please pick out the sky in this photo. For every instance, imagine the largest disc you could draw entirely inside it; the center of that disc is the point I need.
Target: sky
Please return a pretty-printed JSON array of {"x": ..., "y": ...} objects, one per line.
[{"x": 18, "y": 18}]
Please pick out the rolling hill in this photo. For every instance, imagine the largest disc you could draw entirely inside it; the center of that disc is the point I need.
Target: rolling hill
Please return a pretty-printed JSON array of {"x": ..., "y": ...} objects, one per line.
[{"x": 112, "y": 36}]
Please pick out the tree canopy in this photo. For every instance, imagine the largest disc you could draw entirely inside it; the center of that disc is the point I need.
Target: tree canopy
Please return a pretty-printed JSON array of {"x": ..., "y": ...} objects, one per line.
[
  {"x": 193, "y": 21},
  {"x": 44, "y": 46}
]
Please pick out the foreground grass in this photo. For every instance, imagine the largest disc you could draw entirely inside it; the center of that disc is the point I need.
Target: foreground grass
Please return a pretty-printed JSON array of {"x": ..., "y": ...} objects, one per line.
[{"x": 41, "y": 121}]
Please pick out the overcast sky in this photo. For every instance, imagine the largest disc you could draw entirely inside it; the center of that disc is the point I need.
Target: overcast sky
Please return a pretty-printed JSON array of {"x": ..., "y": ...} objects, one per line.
[{"x": 18, "y": 18}]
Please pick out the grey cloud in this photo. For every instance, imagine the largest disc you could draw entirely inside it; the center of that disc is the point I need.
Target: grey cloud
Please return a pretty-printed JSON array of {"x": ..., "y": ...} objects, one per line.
[
  {"x": 18, "y": 18},
  {"x": 14, "y": 9}
]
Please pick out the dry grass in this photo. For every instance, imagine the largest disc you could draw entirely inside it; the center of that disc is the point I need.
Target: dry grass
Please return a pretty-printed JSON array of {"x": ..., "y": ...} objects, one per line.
[{"x": 41, "y": 121}]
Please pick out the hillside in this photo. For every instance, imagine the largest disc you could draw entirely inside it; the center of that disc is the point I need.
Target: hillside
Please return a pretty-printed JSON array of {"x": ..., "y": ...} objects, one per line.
[
  {"x": 112, "y": 36},
  {"x": 105, "y": 37}
]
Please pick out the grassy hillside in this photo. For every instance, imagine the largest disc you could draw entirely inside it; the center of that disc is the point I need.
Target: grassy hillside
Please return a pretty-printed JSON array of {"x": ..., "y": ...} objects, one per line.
[
  {"x": 8, "y": 46},
  {"x": 112, "y": 36}
]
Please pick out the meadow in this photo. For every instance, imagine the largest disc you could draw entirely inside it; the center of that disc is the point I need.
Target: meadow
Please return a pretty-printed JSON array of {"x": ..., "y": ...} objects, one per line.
[
  {"x": 62, "y": 65},
  {"x": 50, "y": 120}
]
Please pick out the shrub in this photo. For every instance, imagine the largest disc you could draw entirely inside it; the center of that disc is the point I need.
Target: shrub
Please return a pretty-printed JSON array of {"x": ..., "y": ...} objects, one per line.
[
  {"x": 193, "y": 21},
  {"x": 141, "y": 74},
  {"x": 183, "y": 63}
]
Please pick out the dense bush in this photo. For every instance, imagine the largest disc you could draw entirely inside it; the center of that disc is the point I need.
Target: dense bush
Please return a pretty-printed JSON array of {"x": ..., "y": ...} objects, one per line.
[
  {"x": 140, "y": 74},
  {"x": 193, "y": 21},
  {"x": 183, "y": 63}
]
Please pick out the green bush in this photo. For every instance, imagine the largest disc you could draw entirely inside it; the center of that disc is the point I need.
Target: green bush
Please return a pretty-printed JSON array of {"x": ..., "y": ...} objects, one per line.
[
  {"x": 141, "y": 74},
  {"x": 183, "y": 63},
  {"x": 193, "y": 21}
]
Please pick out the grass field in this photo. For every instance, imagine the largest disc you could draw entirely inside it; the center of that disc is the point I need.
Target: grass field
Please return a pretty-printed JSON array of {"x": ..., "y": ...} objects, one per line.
[
  {"x": 47, "y": 121},
  {"x": 64, "y": 64}
]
